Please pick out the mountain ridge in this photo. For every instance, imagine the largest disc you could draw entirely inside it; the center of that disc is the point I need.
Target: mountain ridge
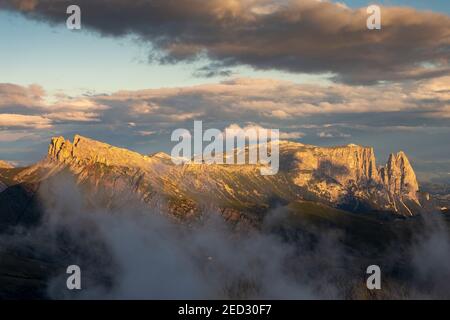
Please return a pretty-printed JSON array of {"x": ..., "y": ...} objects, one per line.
[
  {"x": 345, "y": 177},
  {"x": 5, "y": 165}
]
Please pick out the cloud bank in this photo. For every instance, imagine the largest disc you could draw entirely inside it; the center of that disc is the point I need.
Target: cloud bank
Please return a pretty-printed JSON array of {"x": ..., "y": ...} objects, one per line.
[
  {"x": 300, "y": 36},
  {"x": 412, "y": 116},
  {"x": 132, "y": 251},
  {"x": 240, "y": 99}
]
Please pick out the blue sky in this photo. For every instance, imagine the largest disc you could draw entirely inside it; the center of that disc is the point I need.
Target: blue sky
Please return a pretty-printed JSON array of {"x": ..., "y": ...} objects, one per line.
[
  {"x": 76, "y": 62},
  {"x": 435, "y": 5}
]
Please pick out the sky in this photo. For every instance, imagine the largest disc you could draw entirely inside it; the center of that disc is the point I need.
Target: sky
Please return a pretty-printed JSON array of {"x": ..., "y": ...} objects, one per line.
[{"x": 138, "y": 70}]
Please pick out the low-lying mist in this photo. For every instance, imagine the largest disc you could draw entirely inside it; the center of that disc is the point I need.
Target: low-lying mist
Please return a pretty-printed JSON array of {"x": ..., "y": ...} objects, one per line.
[{"x": 133, "y": 252}]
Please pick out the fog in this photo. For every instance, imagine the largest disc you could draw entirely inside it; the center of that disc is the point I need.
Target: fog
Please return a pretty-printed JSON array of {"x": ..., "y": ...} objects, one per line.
[
  {"x": 130, "y": 251},
  {"x": 143, "y": 254}
]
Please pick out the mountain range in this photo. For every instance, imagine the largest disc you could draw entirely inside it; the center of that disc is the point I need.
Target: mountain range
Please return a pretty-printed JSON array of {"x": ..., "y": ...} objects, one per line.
[
  {"x": 323, "y": 201},
  {"x": 343, "y": 177}
]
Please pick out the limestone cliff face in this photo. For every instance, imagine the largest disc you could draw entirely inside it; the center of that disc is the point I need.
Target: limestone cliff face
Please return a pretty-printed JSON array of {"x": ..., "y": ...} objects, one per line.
[
  {"x": 344, "y": 176},
  {"x": 5, "y": 165},
  {"x": 400, "y": 181},
  {"x": 344, "y": 165},
  {"x": 85, "y": 151},
  {"x": 399, "y": 177},
  {"x": 336, "y": 172}
]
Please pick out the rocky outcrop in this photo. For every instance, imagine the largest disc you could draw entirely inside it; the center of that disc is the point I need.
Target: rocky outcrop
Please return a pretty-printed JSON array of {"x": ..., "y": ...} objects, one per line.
[
  {"x": 343, "y": 165},
  {"x": 5, "y": 165},
  {"x": 399, "y": 177},
  {"x": 85, "y": 151},
  {"x": 348, "y": 175},
  {"x": 345, "y": 176}
]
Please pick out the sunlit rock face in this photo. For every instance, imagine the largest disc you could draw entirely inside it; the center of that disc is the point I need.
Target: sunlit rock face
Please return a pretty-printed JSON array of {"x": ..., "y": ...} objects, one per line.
[
  {"x": 346, "y": 177},
  {"x": 342, "y": 174},
  {"x": 5, "y": 165},
  {"x": 400, "y": 180},
  {"x": 343, "y": 166},
  {"x": 84, "y": 151},
  {"x": 399, "y": 177},
  {"x": 112, "y": 176}
]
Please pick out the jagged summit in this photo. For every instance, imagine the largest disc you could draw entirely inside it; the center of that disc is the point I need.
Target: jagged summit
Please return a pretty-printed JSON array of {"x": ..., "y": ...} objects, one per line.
[
  {"x": 160, "y": 155},
  {"x": 399, "y": 176},
  {"x": 342, "y": 176},
  {"x": 5, "y": 165},
  {"x": 87, "y": 151}
]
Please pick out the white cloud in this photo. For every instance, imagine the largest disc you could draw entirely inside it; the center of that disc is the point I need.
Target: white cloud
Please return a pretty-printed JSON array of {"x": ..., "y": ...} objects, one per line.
[
  {"x": 237, "y": 130},
  {"x": 24, "y": 121},
  {"x": 74, "y": 116},
  {"x": 12, "y": 136},
  {"x": 256, "y": 100},
  {"x": 270, "y": 103},
  {"x": 324, "y": 134},
  {"x": 146, "y": 133},
  {"x": 291, "y": 135}
]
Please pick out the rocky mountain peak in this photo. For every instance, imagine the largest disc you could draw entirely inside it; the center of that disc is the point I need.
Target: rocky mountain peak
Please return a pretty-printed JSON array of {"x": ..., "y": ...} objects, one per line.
[
  {"x": 399, "y": 177},
  {"x": 343, "y": 164},
  {"x": 342, "y": 172},
  {"x": 5, "y": 165},
  {"x": 87, "y": 151},
  {"x": 341, "y": 176}
]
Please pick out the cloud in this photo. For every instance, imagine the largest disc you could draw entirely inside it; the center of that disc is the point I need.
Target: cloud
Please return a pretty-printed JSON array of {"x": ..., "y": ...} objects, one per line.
[
  {"x": 291, "y": 135},
  {"x": 24, "y": 121},
  {"x": 76, "y": 116},
  {"x": 16, "y": 97},
  {"x": 146, "y": 133},
  {"x": 325, "y": 134},
  {"x": 418, "y": 109},
  {"x": 12, "y": 136},
  {"x": 77, "y": 104},
  {"x": 285, "y": 105},
  {"x": 268, "y": 100},
  {"x": 205, "y": 260},
  {"x": 240, "y": 131},
  {"x": 28, "y": 106},
  {"x": 212, "y": 70},
  {"x": 301, "y": 36},
  {"x": 131, "y": 251}
]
